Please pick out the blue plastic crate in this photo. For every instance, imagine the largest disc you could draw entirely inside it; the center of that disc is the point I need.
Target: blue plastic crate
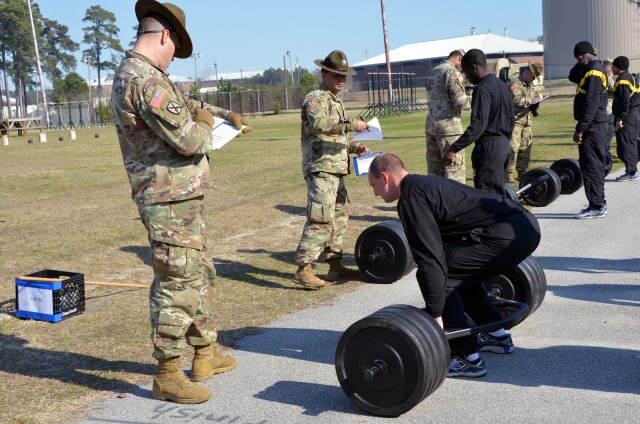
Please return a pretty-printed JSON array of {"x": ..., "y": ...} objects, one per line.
[{"x": 50, "y": 301}]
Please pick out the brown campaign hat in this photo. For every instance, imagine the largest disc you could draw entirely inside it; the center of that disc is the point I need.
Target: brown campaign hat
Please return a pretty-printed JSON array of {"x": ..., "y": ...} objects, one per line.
[
  {"x": 536, "y": 69},
  {"x": 336, "y": 62},
  {"x": 175, "y": 16}
]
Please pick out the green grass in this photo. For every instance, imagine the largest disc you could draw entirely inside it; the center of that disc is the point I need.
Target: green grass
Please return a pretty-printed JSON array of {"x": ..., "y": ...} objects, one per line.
[{"x": 66, "y": 205}]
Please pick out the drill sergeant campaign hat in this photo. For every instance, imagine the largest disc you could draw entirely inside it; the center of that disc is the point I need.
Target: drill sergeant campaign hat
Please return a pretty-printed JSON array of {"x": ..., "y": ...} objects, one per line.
[
  {"x": 536, "y": 69},
  {"x": 175, "y": 16},
  {"x": 336, "y": 62}
]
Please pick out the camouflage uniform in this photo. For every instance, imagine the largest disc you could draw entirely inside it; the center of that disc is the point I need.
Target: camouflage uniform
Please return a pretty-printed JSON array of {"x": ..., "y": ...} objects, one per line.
[
  {"x": 164, "y": 152},
  {"x": 522, "y": 138},
  {"x": 446, "y": 99},
  {"x": 325, "y": 160}
]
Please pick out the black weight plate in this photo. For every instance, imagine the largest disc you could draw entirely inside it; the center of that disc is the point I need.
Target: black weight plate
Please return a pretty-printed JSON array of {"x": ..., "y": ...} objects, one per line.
[
  {"x": 543, "y": 193},
  {"x": 382, "y": 253},
  {"x": 568, "y": 169},
  {"x": 525, "y": 283},
  {"x": 434, "y": 340},
  {"x": 608, "y": 162},
  {"x": 402, "y": 340},
  {"x": 387, "y": 395},
  {"x": 510, "y": 193}
]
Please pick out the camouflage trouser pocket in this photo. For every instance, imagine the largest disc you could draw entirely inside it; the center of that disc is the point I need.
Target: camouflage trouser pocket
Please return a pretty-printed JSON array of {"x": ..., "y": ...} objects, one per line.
[
  {"x": 318, "y": 212},
  {"x": 322, "y": 195}
]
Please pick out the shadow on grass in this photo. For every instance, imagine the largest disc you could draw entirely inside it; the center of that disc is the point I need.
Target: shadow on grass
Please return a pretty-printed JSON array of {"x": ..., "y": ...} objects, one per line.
[
  {"x": 251, "y": 274},
  {"x": 301, "y": 211},
  {"x": 292, "y": 210},
  {"x": 142, "y": 252},
  {"x": 19, "y": 358},
  {"x": 288, "y": 257}
]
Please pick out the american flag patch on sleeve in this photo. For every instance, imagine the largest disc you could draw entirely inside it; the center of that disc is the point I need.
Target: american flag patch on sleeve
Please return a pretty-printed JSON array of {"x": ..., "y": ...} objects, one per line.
[{"x": 156, "y": 100}]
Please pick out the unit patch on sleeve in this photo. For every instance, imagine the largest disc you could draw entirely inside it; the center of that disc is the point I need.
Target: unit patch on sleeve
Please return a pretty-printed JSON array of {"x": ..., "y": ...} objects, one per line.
[{"x": 174, "y": 108}]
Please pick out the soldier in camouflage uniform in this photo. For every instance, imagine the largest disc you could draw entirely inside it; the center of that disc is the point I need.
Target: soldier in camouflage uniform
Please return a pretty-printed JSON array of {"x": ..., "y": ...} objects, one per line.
[
  {"x": 164, "y": 139},
  {"x": 523, "y": 98},
  {"x": 611, "y": 81},
  {"x": 326, "y": 144},
  {"x": 446, "y": 98}
]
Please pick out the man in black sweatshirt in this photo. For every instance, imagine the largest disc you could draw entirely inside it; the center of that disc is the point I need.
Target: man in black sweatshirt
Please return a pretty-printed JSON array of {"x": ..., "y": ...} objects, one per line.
[
  {"x": 491, "y": 126},
  {"x": 626, "y": 106},
  {"x": 459, "y": 237},
  {"x": 589, "y": 109}
]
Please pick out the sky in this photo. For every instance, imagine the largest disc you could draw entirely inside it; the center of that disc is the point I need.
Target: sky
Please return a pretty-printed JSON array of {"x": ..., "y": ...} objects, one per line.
[{"x": 254, "y": 35}]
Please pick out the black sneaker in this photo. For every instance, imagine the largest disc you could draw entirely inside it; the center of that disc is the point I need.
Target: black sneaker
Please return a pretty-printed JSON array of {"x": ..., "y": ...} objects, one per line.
[
  {"x": 460, "y": 367},
  {"x": 489, "y": 343}
]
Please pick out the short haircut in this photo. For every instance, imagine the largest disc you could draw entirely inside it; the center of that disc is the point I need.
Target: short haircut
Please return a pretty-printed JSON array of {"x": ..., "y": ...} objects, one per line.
[
  {"x": 455, "y": 53},
  {"x": 474, "y": 57},
  {"x": 154, "y": 21},
  {"x": 386, "y": 162}
]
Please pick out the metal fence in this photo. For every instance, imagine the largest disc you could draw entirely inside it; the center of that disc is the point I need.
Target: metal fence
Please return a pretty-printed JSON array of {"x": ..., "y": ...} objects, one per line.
[{"x": 77, "y": 114}]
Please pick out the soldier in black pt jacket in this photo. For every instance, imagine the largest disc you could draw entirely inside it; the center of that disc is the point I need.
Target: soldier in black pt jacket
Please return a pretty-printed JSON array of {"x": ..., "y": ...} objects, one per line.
[
  {"x": 459, "y": 237},
  {"x": 626, "y": 113},
  {"x": 589, "y": 109},
  {"x": 491, "y": 126}
]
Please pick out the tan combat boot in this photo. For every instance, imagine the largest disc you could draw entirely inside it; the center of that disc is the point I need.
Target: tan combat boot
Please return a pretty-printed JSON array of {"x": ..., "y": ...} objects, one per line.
[
  {"x": 171, "y": 383},
  {"x": 208, "y": 361},
  {"x": 337, "y": 270},
  {"x": 305, "y": 276}
]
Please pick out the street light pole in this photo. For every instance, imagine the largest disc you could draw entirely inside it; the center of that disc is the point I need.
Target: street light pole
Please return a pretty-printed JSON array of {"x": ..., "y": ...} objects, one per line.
[
  {"x": 290, "y": 67},
  {"x": 195, "y": 57},
  {"x": 286, "y": 92},
  {"x": 215, "y": 65}
]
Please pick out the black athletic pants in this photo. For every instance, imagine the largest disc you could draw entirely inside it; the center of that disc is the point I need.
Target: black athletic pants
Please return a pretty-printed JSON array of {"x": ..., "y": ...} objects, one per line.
[
  {"x": 490, "y": 160},
  {"x": 627, "y": 140},
  {"x": 471, "y": 261},
  {"x": 591, "y": 157}
]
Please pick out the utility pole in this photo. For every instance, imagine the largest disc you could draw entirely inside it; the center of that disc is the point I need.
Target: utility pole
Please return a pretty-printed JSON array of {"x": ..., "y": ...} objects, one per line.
[
  {"x": 35, "y": 43},
  {"x": 215, "y": 65}
]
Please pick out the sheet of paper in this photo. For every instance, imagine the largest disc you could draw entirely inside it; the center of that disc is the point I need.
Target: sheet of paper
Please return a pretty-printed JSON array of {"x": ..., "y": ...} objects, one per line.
[
  {"x": 374, "y": 132},
  {"x": 361, "y": 163},
  {"x": 223, "y": 132}
]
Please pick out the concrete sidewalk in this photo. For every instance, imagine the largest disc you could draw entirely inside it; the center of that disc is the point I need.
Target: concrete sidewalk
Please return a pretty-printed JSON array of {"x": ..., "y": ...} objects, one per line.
[{"x": 577, "y": 358}]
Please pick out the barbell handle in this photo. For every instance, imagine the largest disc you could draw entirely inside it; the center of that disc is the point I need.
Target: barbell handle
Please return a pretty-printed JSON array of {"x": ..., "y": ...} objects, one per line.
[
  {"x": 539, "y": 180},
  {"x": 379, "y": 367},
  {"x": 375, "y": 256}
]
